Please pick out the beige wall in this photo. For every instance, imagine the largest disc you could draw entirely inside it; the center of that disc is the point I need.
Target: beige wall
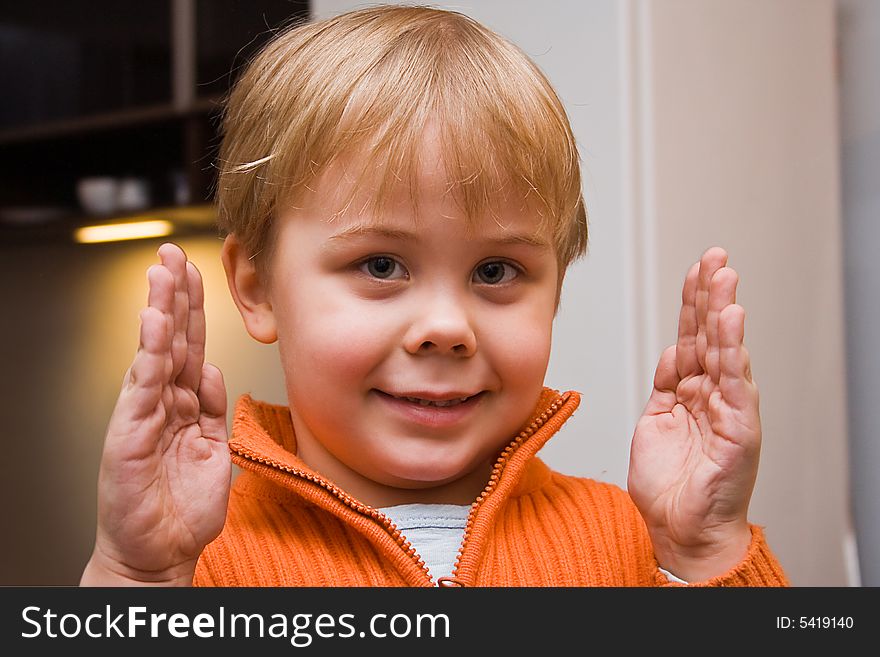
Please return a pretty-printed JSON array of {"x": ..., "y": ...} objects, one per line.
[{"x": 744, "y": 154}]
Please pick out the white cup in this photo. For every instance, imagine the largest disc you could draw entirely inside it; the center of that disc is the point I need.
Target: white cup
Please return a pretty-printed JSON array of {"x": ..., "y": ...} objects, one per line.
[
  {"x": 133, "y": 194},
  {"x": 98, "y": 195}
]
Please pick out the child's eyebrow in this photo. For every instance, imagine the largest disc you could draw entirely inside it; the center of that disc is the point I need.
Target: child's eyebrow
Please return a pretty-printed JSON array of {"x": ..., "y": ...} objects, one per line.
[
  {"x": 521, "y": 238},
  {"x": 363, "y": 231}
]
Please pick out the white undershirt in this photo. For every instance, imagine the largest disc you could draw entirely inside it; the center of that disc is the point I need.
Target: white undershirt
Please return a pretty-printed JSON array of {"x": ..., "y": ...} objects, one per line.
[{"x": 436, "y": 531}]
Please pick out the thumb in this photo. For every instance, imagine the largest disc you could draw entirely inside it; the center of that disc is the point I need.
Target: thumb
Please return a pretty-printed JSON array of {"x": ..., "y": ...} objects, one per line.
[{"x": 212, "y": 403}]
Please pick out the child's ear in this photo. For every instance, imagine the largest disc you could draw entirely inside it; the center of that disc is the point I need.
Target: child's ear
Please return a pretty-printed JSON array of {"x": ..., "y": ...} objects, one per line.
[{"x": 249, "y": 291}]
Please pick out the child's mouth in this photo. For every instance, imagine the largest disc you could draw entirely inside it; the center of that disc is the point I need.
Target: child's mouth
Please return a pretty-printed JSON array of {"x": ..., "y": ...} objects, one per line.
[{"x": 434, "y": 412}]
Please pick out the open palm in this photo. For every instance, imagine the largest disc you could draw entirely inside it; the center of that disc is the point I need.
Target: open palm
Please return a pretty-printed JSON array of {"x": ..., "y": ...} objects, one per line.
[
  {"x": 695, "y": 450},
  {"x": 165, "y": 471}
]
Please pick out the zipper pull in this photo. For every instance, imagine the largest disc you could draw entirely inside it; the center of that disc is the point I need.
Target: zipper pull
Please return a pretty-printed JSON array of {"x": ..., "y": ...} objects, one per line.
[{"x": 449, "y": 582}]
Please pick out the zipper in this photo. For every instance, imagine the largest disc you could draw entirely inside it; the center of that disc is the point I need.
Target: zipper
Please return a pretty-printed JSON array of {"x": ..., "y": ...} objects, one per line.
[
  {"x": 387, "y": 523},
  {"x": 500, "y": 464},
  {"x": 347, "y": 499}
]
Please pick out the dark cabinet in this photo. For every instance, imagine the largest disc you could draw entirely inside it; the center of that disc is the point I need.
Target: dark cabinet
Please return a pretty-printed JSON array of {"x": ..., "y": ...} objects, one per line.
[{"x": 123, "y": 90}]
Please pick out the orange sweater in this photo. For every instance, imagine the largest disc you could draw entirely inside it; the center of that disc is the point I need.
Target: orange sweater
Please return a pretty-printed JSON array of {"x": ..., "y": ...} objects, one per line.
[{"x": 289, "y": 526}]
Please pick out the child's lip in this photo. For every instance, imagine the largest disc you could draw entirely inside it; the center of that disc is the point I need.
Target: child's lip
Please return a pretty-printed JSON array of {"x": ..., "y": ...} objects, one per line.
[{"x": 430, "y": 415}]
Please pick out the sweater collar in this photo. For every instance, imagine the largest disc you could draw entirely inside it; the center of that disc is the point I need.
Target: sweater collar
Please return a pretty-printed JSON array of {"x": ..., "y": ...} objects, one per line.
[{"x": 263, "y": 433}]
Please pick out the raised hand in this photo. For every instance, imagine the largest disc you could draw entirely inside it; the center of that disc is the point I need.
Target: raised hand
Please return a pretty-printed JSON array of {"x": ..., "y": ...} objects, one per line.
[
  {"x": 694, "y": 456},
  {"x": 165, "y": 471}
]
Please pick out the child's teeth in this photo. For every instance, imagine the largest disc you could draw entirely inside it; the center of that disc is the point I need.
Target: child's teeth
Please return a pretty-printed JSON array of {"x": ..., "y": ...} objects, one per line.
[{"x": 426, "y": 402}]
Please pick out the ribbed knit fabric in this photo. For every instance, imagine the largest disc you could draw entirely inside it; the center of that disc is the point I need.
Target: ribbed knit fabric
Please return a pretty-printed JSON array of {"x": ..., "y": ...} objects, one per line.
[{"x": 289, "y": 526}]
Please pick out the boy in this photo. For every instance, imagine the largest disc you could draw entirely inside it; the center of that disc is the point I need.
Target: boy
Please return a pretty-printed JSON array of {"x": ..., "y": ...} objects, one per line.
[{"x": 401, "y": 193}]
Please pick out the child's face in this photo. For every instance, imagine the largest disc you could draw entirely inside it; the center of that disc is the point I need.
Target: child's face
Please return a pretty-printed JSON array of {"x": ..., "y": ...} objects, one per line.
[{"x": 369, "y": 312}]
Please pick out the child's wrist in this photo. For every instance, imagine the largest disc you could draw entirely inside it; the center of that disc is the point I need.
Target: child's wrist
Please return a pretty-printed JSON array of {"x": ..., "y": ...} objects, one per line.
[
  {"x": 103, "y": 571},
  {"x": 701, "y": 562}
]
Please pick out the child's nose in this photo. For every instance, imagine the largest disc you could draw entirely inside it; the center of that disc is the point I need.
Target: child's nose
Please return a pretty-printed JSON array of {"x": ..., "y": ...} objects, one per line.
[{"x": 442, "y": 326}]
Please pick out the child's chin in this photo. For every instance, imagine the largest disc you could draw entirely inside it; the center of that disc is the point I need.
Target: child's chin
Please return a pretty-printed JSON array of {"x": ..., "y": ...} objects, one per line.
[
  {"x": 429, "y": 475},
  {"x": 424, "y": 479}
]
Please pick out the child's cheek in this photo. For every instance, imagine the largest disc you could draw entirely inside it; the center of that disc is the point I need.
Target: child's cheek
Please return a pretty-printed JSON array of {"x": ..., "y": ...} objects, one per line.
[
  {"x": 517, "y": 337},
  {"x": 345, "y": 339},
  {"x": 523, "y": 351}
]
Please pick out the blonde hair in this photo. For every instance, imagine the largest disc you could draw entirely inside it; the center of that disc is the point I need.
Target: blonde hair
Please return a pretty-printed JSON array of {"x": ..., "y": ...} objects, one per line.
[{"x": 367, "y": 82}]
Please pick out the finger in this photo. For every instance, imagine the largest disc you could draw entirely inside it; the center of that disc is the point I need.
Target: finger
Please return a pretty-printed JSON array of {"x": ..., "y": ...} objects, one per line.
[
  {"x": 150, "y": 371},
  {"x": 666, "y": 379},
  {"x": 157, "y": 328},
  {"x": 151, "y": 367},
  {"x": 212, "y": 403},
  {"x": 722, "y": 293},
  {"x": 174, "y": 259},
  {"x": 161, "y": 290},
  {"x": 735, "y": 382},
  {"x": 686, "y": 348},
  {"x": 711, "y": 261},
  {"x": 195, "y": 330}
]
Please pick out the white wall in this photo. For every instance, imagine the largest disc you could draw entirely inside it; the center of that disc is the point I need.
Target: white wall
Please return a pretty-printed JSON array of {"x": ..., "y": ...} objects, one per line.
[
  {"x": 859, "y": 38},
  {"x": 703, "y": 122}
]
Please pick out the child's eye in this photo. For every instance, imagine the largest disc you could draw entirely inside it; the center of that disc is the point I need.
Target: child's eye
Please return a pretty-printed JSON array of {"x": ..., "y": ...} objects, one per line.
[
  {"x": 493, "y": 273},
  {"x": 383, "y": 267}
]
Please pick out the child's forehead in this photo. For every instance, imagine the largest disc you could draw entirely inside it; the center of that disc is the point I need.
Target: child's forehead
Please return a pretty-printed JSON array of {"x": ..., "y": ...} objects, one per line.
[{"x": 355, "y": 204}]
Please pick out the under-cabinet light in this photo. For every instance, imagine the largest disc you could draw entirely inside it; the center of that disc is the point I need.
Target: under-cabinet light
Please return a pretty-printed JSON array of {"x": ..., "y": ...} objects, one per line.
[{"x": 131, "y": 230}]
